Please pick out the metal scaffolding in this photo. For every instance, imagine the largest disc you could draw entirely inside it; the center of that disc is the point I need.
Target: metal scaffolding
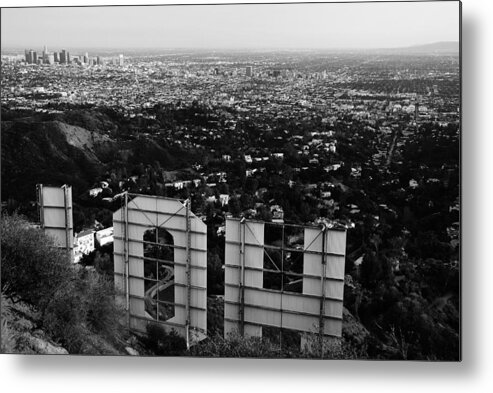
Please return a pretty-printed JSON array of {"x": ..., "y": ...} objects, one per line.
[
  {"x": 55, "y": 215},
  {"x": 173, "y": 293},
  {"x": 188, "y": 274},
  {"x": 250, "y": 305}
]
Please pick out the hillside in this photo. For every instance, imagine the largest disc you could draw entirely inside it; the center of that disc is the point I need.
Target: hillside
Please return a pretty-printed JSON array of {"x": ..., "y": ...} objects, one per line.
[
  {"x": 51, "y": 307},
  {"x": 48, "y": 152},
  {"x": 22, "y": 332},
  {"x": 57, "y": 150},
  {"x": 81, "y": 138}
]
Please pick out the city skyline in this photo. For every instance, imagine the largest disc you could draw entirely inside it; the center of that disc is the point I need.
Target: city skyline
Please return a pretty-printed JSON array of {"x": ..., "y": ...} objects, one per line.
[{"x": 234, "y": 26}]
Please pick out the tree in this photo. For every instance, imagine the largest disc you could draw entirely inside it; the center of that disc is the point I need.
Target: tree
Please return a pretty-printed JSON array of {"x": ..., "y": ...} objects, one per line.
[
  {"x": 215, "y": 274},
  {"x": 234, "y": 207},
  {"x": 251, "y": 185}
]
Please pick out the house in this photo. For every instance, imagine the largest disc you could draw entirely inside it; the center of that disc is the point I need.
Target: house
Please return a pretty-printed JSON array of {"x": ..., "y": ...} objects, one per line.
[
  {"x": 94, "y": 192},
  {"x": 104, "y": 236},
  {"x": 333, "y": 167},
  {"x": 211, "y": 199},
  {"x": 277, "y": 213},
  {"x": 224, "y": 199},
  {"x": 83, "y": 244},
  {"x": 311, "y": 187},
  {"x": 359, "y": 260},
  {"x": 178, "y": 185}
]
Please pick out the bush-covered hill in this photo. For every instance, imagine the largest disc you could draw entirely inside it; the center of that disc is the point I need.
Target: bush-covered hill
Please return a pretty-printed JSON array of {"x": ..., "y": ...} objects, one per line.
[
  {"x": 47, "y": 152},
  {"x": 49, "y": 305},
  {"x": 55, "y": 149}
]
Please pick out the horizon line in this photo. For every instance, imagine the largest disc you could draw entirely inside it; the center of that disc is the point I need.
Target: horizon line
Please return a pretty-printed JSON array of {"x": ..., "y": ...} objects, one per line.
[{"x": 248, "y": 48}]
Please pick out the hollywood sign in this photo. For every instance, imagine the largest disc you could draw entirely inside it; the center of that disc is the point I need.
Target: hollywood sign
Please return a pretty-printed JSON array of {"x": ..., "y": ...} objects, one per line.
[
  {"x": 283, "y": 276},
  {"x": 276, "y": 275},
  {"x": 55, "y": 215},
  {"x": 160, "y": 261}
]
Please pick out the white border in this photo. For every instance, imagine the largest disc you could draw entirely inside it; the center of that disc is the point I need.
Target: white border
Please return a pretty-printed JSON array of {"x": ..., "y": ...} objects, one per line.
[{"x": 86, "y": 374}]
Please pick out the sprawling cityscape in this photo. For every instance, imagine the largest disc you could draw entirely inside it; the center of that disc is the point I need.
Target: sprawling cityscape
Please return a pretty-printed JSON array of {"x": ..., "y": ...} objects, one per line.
[
  {"x": 63, "y": 57},
  {"x": 365, "y": 142}
]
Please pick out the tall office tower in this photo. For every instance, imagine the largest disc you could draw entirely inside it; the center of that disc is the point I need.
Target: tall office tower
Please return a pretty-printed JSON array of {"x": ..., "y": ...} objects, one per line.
[
  {"x": 26, "y": 55},
  {"x": 86, "y": 58},
  {"x": 98, "y": 60},
  {"x": 67, "y": 58},
  {"x": 50, "y": 58},
  {"x": 35, "y": 57},
  {"x": 45, "y": 54},
  {"x": 56, "y": 57},
  {"x": 63, "y": 57},
  {"x": 249, "y": 71},
  {"x": 120, "y": 60},
  {"x": 31, "y": 57}
]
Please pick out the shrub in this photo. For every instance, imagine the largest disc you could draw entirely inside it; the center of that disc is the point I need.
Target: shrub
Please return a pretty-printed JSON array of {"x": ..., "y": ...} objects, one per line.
[
  {"x": 73, "y": 304},
  {"x": 7, "y": 335},
  {"x": 32, "y": 268},
  {"x": 215, "y": 316},
  {"x": 234, "y": 345},
  {"x": 237, "y": 346},
  {"x": 65, "y": 317},
  {"x": 103, "y": 314},
  {"x": 101, "y": 259},
  {"x": 163, "y": 343},
  {"x": 332, "y": 348},
  {"x": 83, "y": 305}
]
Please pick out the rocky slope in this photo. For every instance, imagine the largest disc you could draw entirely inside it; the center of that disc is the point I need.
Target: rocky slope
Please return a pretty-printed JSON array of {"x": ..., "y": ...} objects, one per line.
[{"x": 22, "y": 333}]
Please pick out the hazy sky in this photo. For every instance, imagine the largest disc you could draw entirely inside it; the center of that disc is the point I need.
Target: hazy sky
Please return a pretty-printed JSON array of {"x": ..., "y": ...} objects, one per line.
[{"x": 351, "y": 25}]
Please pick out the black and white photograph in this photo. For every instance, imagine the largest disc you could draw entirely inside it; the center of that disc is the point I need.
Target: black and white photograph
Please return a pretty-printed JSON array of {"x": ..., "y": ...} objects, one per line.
[{"x": 261, "y": 180}]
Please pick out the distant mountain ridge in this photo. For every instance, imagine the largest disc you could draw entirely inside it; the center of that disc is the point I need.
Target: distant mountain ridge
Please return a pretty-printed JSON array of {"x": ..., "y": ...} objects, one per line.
[{"x": 442, "y": 47}]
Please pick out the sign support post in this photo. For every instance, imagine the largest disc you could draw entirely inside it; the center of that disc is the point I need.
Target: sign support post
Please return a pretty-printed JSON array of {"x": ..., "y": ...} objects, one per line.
[
  {"x": 188, "y": 274},
  {"x": 322, "y": 296},
  {"x": 242, "y": 276}
]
